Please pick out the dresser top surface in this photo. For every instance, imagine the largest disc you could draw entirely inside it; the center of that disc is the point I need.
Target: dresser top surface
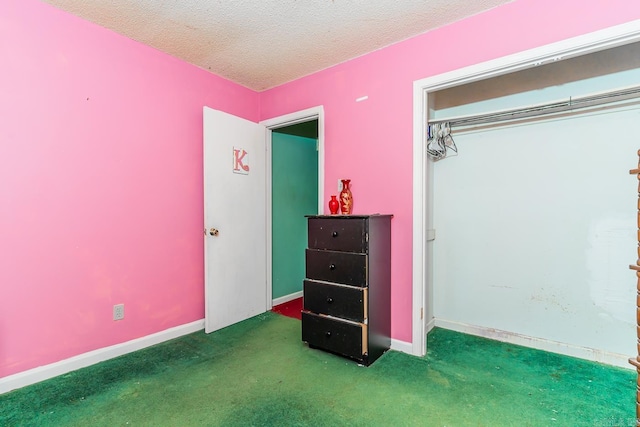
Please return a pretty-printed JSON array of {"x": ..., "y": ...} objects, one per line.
[{"x": 348, "y": 216}]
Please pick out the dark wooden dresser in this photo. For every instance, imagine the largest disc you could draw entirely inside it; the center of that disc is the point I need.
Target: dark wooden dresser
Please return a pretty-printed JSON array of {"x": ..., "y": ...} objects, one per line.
[{"x": 347, "y": 290}]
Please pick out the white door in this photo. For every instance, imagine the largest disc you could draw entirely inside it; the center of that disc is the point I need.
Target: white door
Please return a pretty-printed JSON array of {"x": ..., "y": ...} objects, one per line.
[{"x": 235, "y": 219}]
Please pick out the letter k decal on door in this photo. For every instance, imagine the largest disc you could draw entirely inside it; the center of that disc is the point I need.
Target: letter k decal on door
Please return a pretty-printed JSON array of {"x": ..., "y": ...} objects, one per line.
[{"x": 240, "y": 161}]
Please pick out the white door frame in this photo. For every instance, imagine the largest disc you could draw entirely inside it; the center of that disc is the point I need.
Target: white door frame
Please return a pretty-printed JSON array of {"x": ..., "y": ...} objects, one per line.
[
  {"x": 313, "y": 113},
  {"x": 423, "y": 318}
]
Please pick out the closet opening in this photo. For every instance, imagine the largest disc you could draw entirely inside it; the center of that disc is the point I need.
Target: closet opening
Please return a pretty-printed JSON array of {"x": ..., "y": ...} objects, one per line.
[{"x": 529, "y": 228}]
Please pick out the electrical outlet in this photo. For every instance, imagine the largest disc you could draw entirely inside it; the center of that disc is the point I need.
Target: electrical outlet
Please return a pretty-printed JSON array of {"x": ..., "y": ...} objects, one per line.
[{"x": 118, "y": 312}]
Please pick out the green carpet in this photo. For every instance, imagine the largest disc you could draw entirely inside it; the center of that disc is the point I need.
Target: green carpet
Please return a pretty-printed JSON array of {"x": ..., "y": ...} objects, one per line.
[{"x": 259, "y": 373}]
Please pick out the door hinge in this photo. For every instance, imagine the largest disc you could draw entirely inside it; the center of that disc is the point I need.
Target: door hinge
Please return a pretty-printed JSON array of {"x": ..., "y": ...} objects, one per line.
[{"x": 421, "y": 313}]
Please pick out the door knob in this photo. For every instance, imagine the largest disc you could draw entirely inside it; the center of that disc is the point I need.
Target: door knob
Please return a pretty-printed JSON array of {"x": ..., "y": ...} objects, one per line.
[{"x": 214, "y": 231}]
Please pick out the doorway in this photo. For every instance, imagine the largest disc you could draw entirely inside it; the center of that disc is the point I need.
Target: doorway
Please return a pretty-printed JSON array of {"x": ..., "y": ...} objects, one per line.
[
  {"x": 294, "y": 194},
  {"x": 293, "y": 132}
]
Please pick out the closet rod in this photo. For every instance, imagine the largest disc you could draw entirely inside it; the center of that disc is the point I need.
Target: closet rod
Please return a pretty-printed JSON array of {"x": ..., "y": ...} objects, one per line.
[{"x": 539, "y": 110}]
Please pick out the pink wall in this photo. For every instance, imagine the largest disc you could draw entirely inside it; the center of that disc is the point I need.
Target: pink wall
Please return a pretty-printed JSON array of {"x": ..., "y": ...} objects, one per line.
[
  {"x": 371, "y": 141},
  {"x": 100, "y": 185}
]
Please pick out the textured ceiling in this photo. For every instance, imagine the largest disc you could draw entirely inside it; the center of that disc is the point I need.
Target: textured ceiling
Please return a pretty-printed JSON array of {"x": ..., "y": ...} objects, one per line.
[{"x": 264, "y": 43}]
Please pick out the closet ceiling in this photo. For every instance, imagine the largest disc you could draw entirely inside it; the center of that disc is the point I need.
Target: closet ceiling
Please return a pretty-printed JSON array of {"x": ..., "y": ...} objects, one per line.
[{"x": 264, "y": 43}]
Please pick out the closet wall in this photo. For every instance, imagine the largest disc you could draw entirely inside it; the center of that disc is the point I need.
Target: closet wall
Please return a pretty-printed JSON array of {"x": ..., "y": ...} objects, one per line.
[{"x": 535, "y": 220}]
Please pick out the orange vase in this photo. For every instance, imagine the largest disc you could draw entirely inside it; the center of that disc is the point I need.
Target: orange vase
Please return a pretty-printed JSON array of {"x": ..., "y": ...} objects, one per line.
[{"x": 346, "y": 198}]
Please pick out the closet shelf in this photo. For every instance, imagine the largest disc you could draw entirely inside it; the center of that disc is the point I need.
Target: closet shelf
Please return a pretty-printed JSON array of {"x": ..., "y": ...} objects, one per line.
[{"x": 569, "y": 104}]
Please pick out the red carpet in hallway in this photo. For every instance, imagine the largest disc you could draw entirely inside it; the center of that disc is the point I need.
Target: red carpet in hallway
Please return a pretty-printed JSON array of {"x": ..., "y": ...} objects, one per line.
[{"x": 289, "y": 309}]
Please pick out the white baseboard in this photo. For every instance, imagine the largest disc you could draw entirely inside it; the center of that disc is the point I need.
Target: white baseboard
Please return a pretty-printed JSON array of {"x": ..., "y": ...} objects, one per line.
[
  {"x": 407, "y": 347},
  {"x": 403, "y": 346},
  {"x": 594, "y": 355},
  {"x": 42, "y": 373},
  {"x": 431, "y": 324},
  {"x": 287, "y": 298}
]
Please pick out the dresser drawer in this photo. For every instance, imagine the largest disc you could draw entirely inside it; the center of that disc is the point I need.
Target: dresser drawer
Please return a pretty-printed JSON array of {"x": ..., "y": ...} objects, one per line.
[
  {"x": 347, "y": 302},
  {"x": 338, "y": 267},
  {"x": 337, "y": 234},
  {"x": 342, "y": 337}
]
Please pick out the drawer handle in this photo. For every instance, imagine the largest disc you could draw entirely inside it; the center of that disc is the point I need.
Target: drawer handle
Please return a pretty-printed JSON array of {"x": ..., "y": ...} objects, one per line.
[
  {"x": 334, "y": 234},
  {"x": 327, "y": 334},
  {"x": 329, "y": 300},
  {"x": 332, "y": 267}
]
